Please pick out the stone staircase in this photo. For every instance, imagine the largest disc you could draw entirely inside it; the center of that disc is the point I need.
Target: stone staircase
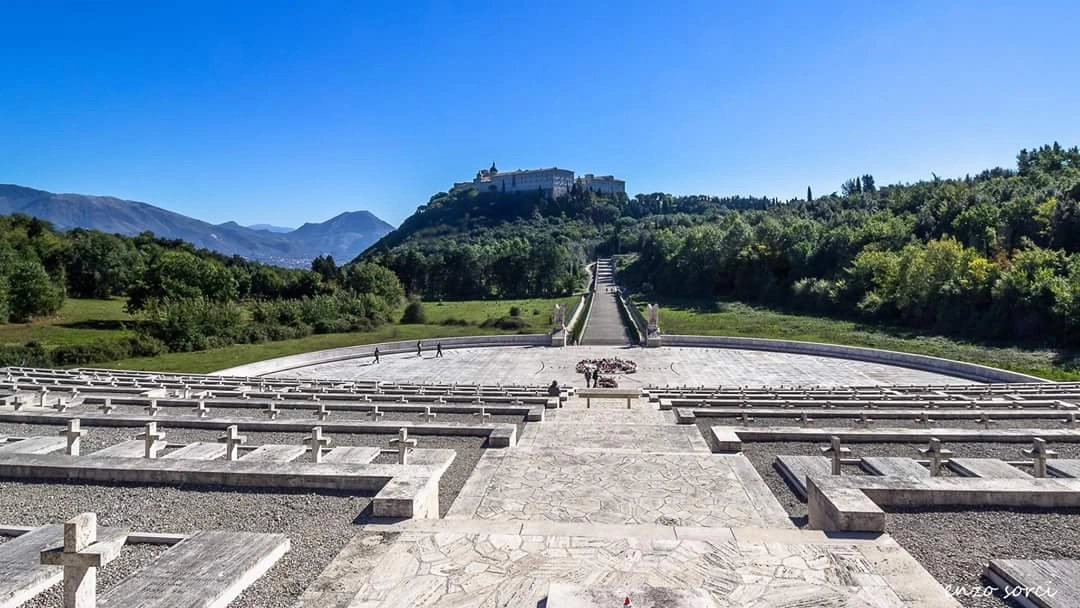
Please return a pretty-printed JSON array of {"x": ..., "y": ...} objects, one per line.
[{"x": 605, "y": 326}]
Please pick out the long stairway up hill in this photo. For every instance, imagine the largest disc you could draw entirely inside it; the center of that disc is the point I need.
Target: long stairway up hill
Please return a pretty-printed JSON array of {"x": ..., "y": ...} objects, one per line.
[{"x": 605, "y": 325}]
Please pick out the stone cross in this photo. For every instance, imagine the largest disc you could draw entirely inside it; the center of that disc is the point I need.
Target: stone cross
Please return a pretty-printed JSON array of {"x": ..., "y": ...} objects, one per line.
[
  {"x": 404, "y": 443},
  {"x": 232, "y": 440},
  {"x": 316, "y": 442},
  {"x": 937, "y": 454},
  {"x": 81, "y": 556},
  {"x": 924, "y": 418},
  {"x": 153, "y": 408},
  {"x": 272, "y": 411},
  {"x": 865, "y": 420},
  {"x": 1071, "y": 420},
  {"x": 107, "y": 407},
  {"x": 483, "y": 413},
  {"x": 805, "y": 418},
  {"x": 322, "y": 413},
  {"x": 428, "y": 414},
  {"x": 375, "y": 413},
  {"x": 202, "y": 410},
  {"x": 1039, "y": 453},
  {"x": 835, "y": 451},
  {"x": 61, "y": 404},
  {"x": 74, "y": 435},
  {"x": 17, "y": 403},
  {"x": 984, "y": 420},
  {"x": 745, "y": 418},
  {"x": 151, "y": 438}
]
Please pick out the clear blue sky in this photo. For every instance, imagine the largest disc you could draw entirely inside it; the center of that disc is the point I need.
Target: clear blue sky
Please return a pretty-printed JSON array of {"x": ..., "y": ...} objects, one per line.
[{"x": 286, "y": 112}]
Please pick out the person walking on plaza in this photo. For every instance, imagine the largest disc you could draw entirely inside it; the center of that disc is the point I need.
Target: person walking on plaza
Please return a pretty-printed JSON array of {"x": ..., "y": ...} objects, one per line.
[
  {"x": 376, "y": 353},
  {"x": 419, "y": 348},
  {"x": 438, "y": 349}
]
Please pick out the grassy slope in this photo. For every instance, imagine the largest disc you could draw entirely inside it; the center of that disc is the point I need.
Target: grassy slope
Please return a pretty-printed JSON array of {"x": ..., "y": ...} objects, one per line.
[
  {"x": 735, "y": 319},
  {"x": 77, "y": 322},
  {"x": 87, "y": 320}
]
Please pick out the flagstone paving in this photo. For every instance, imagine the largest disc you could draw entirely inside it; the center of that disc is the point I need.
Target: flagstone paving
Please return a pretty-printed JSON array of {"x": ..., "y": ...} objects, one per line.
[
  {"x": 656, "y": 366},
  {"x": 616, "y": 500}
]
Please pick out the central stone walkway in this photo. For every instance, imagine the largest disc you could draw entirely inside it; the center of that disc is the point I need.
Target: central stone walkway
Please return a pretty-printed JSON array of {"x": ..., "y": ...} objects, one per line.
[
  {"x": 605, "y": 324},
  {"x": 597, "y": 504}
]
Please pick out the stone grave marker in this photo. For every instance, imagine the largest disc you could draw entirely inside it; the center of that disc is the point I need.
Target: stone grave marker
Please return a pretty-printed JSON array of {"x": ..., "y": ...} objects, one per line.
[
  {"x": 232, "y": 440},
  {"x": 316, "y": 442},
  {"x": 404, "y": 445},
  {"x": 81, "y": 556},
  {"x": 74, "y": 434},
  {"x": 835, "y": 451}
]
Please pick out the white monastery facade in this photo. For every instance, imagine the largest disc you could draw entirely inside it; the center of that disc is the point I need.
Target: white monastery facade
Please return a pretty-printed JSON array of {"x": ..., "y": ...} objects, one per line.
[{"x": 553, "y": 182}]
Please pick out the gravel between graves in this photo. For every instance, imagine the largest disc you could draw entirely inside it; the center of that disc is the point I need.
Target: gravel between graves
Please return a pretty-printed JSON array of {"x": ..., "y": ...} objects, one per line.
[
  {"x": 318, "y": 524},
  {"x": 131, "y": 558},
  {"x": 955, "y": 546}
]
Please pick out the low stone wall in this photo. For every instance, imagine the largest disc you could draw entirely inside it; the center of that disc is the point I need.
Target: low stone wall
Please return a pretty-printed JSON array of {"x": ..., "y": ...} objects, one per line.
[
  {"x": 969, "y": 371},
  {"x": 282, "y": 364}
]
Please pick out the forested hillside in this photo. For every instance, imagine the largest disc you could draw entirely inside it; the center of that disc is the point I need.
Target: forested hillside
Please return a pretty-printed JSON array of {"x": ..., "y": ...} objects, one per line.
[
  {"x": 995, "y": 255},
  {"x": 475, "y": 244}
]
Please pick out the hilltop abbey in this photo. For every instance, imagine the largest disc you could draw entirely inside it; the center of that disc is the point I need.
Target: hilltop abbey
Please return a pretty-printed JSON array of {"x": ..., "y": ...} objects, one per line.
[{"x": 554, "y": 182}]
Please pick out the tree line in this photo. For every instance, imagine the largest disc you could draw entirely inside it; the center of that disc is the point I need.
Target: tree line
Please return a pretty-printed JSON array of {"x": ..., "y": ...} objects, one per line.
[
  {"x": 990, "y": 256},
  {"x": 180, "y": 298}
]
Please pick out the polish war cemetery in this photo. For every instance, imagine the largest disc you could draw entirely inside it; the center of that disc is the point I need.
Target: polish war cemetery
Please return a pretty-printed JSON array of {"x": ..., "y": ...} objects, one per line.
[{"x": 594, "y": 457}]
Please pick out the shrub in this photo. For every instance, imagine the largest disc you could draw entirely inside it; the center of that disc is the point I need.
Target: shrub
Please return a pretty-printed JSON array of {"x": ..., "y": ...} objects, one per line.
[
  {"x": 509, "y": 323},
  {"x": 515, "y": 311},
  {"x": 31, "y": 293},
  {"x": 414, "y": 314}
]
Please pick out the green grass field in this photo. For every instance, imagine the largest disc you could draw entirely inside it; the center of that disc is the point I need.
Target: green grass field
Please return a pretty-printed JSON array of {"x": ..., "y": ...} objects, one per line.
[
  {"x": 535, "y": 312},
  {"x": 77, "y": 322},
  {"x": 706, "y": 318},
  {"x": 83, "y": 321}
]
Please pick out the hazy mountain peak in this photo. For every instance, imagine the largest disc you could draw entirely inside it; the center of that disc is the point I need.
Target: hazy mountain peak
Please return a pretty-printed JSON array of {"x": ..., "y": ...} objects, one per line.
[{"x": 344, "y": 236}]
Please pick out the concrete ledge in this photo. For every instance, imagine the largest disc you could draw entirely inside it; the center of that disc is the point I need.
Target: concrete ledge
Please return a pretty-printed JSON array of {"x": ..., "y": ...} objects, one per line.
[
  {"x": 505, "y": 432},
  {"x": 282, "y": 364},
  {"x": 970, "y": 371},
  {"x": 399, "y": 490},
  {"x": 887, "y": 435},
  {"x": 725, "y": 439},
  {"x": 853, "y": 503}
]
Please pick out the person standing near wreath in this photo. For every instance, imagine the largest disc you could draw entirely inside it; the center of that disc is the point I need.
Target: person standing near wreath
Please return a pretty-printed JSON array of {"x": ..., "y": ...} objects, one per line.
[
  {"x": 438, "y": 349},
  {"x": 376, "y": 353}
]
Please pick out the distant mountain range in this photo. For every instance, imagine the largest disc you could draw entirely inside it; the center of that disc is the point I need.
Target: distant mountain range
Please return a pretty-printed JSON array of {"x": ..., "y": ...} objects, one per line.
[{"x": 343, "y": 237}]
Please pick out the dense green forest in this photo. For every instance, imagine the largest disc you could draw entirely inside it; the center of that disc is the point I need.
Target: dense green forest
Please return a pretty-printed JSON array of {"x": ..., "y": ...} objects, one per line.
[
  {"x": 472, "y": 244},
  {"x": 996, "y": 255},
  {"x": 181, "y": 298}
]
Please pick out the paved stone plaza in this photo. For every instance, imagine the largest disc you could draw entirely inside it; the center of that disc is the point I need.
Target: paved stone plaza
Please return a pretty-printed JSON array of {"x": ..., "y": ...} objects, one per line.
[{"x": 656, "y": 366}]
